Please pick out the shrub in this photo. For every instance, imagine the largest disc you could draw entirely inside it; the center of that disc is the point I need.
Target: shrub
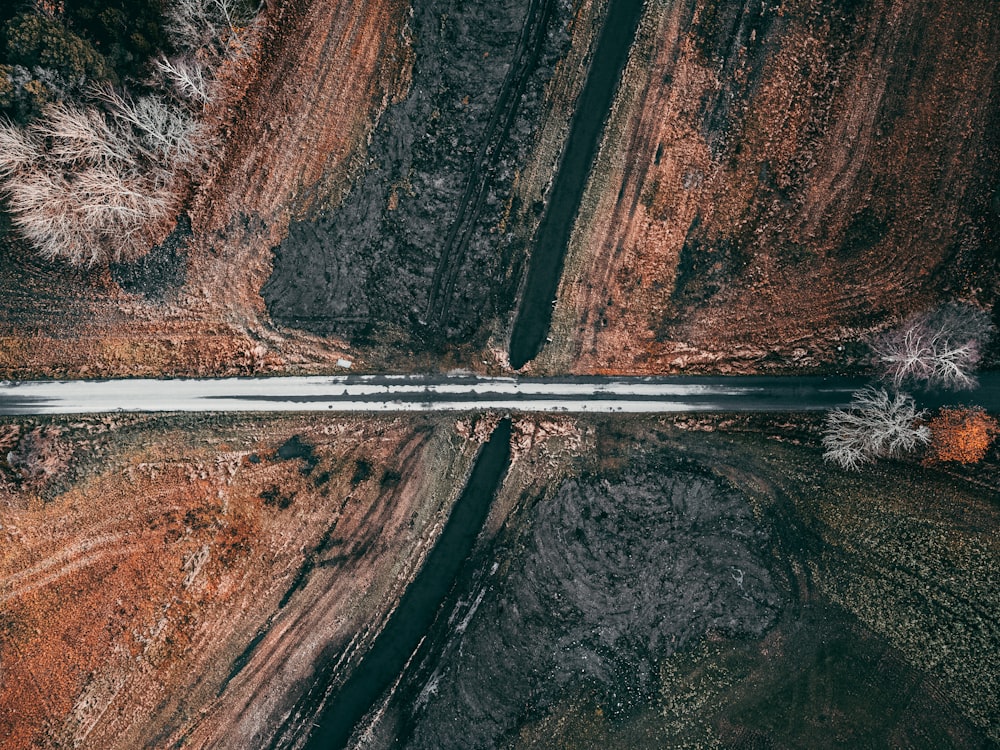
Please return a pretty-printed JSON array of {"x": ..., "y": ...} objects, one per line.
[
  {"x": 936, "y": 349},
  {"x": 37, "y": 41},
  {"x": 962, "y": 435},
  {"x": 86, "y": 187}
]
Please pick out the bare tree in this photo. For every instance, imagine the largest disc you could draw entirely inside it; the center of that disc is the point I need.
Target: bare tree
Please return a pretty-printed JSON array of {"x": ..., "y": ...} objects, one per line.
[
  {"x": 189, "y": 78},
  {"x": 209, "y": 26},
  {"x": 18, "y": 149},
  {"x": 86, "y": 187},
  {"x": 876, "y": 425},
  {"x": 78, "y": 135},
  {"x": 97, "y": 182},
  {"x": 936, "y": 349},
  {"x": 164, "y": 133},
  {"x": 206, "y": 33}
]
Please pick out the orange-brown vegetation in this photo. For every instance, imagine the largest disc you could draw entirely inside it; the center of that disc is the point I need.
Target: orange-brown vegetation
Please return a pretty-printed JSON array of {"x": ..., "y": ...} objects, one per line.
[
  {"x": 961, "y": 434},
  {"x": 778, "y": 182},
  {"x": 127, "y": 598}
]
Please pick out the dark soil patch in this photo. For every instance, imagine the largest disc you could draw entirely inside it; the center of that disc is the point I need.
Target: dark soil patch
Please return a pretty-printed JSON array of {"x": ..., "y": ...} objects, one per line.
[
  {"x": 296, "y": 447},
  {"x": 160, "y": 271},
  {"x": 362, "y": 471},
  {"x": 275, "y": 498},
  {"x": 705, "y": 266},
  {"x": 420, "y": 248},
  {"x": 606, "y": 577},
  {"x": 865, "y": 231}
]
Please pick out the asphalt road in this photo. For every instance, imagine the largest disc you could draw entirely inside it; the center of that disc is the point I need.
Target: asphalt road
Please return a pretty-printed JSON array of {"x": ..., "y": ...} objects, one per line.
[{"x": 398, "y": 393}]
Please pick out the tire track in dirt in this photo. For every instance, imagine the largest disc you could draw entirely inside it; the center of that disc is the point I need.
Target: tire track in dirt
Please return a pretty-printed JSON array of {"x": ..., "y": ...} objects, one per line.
[{"x": 524, "y": 60}]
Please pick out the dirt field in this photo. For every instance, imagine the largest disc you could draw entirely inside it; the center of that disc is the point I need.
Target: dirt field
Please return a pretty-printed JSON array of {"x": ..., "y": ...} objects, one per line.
[
  {"x": 705, "y": 581},
  {"x": 774, "y": 184},
  {"x": 187, "y": 578},
  {"x": 291, "y": 133},
  {"x": 184, "y": 578},
  {"x": 778, "y": 181},
  {"x": 297, "y": 137}
]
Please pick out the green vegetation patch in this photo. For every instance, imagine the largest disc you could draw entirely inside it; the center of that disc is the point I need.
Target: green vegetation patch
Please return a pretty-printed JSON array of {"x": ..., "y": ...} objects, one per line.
[{"x": 54, "y": 53}]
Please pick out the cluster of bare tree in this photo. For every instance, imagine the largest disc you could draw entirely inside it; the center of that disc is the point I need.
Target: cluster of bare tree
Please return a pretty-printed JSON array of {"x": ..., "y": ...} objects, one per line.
[
  {"x": 87, "y": 185},
  {"x": 939, "y": 349},
  {"x": 206, "y": 33},
  {"x": 96, "y": 181}
]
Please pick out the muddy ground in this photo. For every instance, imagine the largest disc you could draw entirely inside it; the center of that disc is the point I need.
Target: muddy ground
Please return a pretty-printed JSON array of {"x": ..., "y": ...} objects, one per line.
[
  {"x": 705, "y": 582},
  {"x": 427, "y": 246}
]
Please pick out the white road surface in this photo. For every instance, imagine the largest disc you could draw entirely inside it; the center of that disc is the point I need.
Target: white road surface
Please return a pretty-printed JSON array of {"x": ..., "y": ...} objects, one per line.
[{"x": 387, "y": 393}]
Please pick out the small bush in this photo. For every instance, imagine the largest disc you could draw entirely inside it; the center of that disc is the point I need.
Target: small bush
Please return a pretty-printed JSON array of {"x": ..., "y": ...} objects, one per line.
[{"x": 961, "y": 435}]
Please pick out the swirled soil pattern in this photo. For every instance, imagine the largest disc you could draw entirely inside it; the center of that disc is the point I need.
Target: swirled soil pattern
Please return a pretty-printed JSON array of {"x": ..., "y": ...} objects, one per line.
[{"x": 609, "y": 577}]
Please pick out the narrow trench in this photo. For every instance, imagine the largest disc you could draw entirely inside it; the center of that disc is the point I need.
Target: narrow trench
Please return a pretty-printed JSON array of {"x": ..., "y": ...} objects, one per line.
[
  {"x": 545, "y": 265},
  {"x": 420, "y": 603}
]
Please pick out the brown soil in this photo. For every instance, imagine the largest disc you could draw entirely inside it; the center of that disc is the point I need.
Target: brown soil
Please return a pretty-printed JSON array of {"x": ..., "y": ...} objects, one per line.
[
  {"x": 185, "y": 580},
  {"x": 291, "y": 131},
  {"x": 776, "y": 183}
]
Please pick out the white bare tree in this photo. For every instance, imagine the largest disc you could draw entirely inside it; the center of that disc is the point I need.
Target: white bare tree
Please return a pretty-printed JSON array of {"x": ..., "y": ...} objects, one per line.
[
  {"x": 190, "y": 79},
  {"x": 205, "y": 33},
  {"x": 93, "y": 183},
  {"x": 936, "y": 349},
  {"x": 18, "y": 149},
  {"x": 85, "y": 187},
  {"x": 164, "y": 133},
  {"x": 876, "y": 425},
  {"x": 78, "y": 135},
  {"x": 203, "y": 25}
]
